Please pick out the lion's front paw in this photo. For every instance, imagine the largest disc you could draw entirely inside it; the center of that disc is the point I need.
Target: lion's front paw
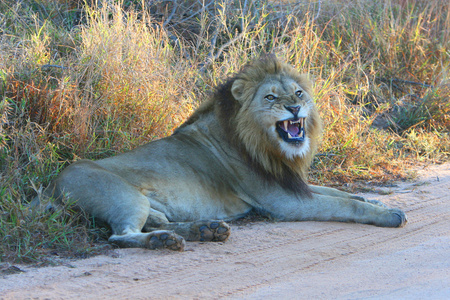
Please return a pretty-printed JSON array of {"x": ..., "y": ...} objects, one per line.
[
  {"x": 400, "y": 218},
  {"x": 394, "y": 218},
  {"x": 165, "y": 239},
  {"x": 214, "y": 231}
]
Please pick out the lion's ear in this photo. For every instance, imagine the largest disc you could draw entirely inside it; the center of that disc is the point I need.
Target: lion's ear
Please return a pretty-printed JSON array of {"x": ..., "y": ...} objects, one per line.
[{"x": 237, "y": 89}]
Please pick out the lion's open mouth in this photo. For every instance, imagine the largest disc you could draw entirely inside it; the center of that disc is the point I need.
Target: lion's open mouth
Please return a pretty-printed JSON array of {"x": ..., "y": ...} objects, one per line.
[{"x": 292, "y": 131}]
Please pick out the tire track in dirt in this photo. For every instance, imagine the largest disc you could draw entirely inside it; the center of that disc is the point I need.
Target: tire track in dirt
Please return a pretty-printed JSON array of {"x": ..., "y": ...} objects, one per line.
[{"x": 282, "y": 260}]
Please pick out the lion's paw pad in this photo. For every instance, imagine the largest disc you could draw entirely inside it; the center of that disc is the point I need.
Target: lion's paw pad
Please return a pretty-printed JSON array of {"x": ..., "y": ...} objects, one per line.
[
  {"x": 166, "y": 239},
  {"x": 215, "y": 231}
]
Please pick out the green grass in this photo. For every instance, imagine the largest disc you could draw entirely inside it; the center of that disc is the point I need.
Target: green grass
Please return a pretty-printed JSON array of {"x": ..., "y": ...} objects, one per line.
[{"x": 80, "y": 81}]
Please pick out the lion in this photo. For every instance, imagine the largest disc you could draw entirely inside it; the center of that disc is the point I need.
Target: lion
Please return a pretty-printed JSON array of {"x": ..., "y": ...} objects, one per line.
[{"x": 247, "y": 148}]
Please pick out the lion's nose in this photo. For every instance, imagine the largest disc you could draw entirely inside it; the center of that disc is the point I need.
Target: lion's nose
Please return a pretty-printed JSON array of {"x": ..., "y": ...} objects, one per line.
[{"x": 293, "y": 109}]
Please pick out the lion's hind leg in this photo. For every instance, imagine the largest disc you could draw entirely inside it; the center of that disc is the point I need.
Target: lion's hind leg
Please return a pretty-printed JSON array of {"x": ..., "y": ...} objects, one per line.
[
  {"x": 127, "y": 231},
  {"x": 113, "y": 200},
  {"x": 157, "y": 239},
  {"x": 204, "y": 231}
]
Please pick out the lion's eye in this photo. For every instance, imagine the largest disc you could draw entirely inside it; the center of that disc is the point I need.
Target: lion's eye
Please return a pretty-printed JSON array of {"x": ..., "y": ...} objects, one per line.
[
  {"x": 270, "y": 97},
  {"x": 299, "y": 93}
]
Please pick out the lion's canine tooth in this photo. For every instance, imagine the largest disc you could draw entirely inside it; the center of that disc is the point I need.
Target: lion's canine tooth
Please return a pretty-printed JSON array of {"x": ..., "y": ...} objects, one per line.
[
  {"x": 289, "y": 135},
  {"x": 285, "y": 124}
]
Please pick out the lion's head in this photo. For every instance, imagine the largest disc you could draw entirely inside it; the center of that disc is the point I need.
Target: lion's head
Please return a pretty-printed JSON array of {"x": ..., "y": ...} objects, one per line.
[{"x": 268, "y": 113}]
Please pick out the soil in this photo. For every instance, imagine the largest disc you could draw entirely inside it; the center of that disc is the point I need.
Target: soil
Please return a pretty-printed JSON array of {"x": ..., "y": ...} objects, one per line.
[{"x": 306, "y": 260}]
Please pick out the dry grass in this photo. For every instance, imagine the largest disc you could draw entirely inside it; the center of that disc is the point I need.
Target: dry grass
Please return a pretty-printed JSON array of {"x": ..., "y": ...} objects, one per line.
[{"x": 86, "y": 81}]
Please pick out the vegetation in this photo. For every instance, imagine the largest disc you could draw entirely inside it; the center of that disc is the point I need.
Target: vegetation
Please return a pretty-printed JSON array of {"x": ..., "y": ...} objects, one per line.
[{"x": 90, "y": 79}]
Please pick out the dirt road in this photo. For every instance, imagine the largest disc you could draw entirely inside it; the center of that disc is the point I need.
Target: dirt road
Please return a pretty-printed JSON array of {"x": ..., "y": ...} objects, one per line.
[{"x": 304, "y": 260}]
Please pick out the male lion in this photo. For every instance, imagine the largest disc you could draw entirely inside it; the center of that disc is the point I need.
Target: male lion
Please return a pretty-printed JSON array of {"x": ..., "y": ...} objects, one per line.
[{"x": 248, "y": 147}]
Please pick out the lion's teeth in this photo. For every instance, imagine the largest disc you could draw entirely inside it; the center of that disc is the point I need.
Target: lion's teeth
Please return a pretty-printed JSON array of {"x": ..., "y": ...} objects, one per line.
[
  {"x": 289, "y": 135},
  {"x": 285, "y": 124}
]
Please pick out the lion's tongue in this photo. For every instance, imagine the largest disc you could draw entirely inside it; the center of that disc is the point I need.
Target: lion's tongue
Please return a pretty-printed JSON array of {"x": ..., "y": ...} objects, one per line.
[{"x": 293, "y": 130}]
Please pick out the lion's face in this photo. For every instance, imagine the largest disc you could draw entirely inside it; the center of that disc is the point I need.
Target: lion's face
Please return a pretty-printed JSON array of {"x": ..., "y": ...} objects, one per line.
[
  {"x": 278, "y": 111},
  {"x": 282, "y": 107}
]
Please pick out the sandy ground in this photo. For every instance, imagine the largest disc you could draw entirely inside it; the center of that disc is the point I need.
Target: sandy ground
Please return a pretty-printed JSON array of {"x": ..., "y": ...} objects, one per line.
[{"x": 304, "y": 260}]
